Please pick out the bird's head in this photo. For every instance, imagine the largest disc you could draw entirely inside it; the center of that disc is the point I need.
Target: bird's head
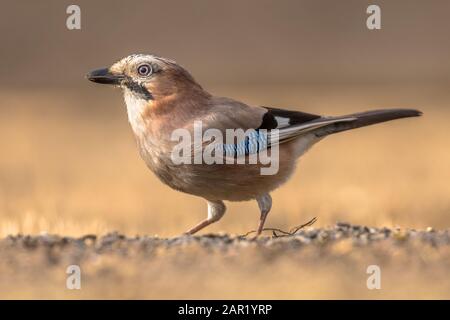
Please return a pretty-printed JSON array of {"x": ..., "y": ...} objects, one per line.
[{"x": 147, "y": 77}]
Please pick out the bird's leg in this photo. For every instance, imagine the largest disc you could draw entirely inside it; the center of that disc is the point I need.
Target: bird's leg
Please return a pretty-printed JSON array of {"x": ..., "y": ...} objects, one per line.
[
  {"x": 216, "y": 210},
  {"x": 265, "y": 204}
]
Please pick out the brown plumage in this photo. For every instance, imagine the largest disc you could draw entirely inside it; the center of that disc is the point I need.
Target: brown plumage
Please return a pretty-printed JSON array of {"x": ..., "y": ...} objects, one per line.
[{"x": 162, "y": 97}]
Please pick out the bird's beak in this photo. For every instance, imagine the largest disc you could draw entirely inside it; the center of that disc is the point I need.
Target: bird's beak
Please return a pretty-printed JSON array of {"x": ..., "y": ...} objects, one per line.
[{"x": 104, "y": 76}]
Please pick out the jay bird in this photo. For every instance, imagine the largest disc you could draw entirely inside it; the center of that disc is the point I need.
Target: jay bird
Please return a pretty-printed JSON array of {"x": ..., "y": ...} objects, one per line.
[{"x": 161, "y": 97}]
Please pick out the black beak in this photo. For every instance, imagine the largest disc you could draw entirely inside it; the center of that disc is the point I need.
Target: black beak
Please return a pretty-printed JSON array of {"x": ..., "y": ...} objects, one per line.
[{"x": 104, "y": 76}]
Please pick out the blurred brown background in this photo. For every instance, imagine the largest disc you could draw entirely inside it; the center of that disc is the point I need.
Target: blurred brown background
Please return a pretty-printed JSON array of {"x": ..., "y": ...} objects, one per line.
[
  {"x": 230, "y": 42},
  {"x": 69, "y": 164}
]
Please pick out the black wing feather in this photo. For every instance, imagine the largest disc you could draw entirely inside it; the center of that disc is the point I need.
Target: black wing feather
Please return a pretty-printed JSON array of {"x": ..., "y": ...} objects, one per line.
[{"x": 293, "y": 117}]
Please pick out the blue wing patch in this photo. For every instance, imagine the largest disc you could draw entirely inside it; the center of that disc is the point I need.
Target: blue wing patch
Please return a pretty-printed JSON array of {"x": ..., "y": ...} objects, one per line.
[{"x": 253, "y": 143}]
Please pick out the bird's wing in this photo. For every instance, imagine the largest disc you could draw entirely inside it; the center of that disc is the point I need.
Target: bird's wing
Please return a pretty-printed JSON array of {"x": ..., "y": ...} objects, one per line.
[{"x": 229, "y": 114}]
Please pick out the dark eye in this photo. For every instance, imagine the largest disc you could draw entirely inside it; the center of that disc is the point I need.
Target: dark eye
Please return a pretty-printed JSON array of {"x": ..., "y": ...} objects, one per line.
[{"x": 145, "y": 70}]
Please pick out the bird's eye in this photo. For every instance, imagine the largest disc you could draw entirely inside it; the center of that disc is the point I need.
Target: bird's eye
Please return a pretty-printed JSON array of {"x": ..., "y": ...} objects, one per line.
[{"x": 145, "y": 70}]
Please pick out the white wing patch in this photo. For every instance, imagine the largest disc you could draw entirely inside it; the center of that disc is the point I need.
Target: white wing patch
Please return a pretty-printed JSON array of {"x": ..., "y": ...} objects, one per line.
[{"x": 282, "y": 122}]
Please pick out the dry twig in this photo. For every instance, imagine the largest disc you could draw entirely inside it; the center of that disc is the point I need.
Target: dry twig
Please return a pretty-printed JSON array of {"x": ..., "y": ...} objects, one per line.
[{"x": 291, "y": 232}]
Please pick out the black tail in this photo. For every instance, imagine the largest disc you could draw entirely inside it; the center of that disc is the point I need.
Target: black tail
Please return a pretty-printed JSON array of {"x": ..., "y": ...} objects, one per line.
[{"x": 366, "y": 119}]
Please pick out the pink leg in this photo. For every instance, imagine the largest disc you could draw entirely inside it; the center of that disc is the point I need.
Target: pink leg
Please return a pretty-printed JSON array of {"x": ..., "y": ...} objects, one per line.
[
  {"x": 216, "y": 210},
  {"x": 265, "y": 204}
]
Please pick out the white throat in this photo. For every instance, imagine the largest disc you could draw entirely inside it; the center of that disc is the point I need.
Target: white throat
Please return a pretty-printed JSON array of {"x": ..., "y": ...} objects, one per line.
[{"x": 135, "y": 109}]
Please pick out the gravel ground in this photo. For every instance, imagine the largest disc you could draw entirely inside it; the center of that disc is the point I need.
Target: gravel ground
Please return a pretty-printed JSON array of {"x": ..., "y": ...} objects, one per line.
[
  {"x": 328, "y": 262},
  {"x": 121, "y": 244}
]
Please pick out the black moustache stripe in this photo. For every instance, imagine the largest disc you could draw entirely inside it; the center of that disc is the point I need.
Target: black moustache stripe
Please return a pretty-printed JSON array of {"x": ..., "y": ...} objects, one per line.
[{"x": 138, "y": 89}]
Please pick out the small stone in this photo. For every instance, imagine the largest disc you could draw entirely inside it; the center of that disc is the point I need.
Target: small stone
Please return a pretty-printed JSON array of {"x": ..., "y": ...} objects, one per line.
[
  {"x": 400, "y": 234},
  {"x": 343, "y": 224}
]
